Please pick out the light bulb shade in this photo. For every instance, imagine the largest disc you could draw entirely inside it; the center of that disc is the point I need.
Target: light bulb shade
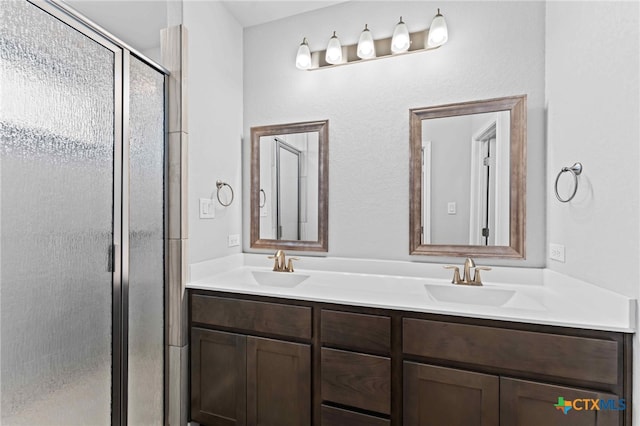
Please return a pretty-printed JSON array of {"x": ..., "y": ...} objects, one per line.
[
  {"x": 400, "y": 41},
  {"x": 366, "y": 46},
  {"x": 303, "y": 58},
  {"x": 438, "y": 33},
  {"x": 334, "y": 50}
]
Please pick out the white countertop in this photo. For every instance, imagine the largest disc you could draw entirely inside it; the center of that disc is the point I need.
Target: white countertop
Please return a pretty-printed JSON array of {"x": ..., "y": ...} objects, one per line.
[{"x": 538, "y": 296}]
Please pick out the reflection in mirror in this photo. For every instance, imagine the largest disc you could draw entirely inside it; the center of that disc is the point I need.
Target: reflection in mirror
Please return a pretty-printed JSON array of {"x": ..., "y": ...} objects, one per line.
[
  {"x": 289, "y": 186},
  {"x": 467, "y": 178},
  {"x": 466, "y": 204}
]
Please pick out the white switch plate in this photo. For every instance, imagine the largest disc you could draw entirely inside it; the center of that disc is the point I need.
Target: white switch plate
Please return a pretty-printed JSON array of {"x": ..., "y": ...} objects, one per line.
[
  {"x": 207, "y": 208},
  {"x": 234, "y": 240},
  {"x": 451, "y": 207},
  {"x": 556, "y": 252}
]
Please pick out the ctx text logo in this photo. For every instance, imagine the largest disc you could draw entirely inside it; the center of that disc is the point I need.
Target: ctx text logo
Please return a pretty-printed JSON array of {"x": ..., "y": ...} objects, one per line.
[{"x": 587, "y": 404}]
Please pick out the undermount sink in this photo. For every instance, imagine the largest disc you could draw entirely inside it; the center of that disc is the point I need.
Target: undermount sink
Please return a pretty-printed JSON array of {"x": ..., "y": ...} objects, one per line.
[
  {"x": 278, "y": 279},
  {"x": 469, "y": 295}
]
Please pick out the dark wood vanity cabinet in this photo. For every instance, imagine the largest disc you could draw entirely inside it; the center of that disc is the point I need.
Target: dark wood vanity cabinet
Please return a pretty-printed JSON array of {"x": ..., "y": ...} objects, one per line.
[
  {"x": 355, "y": 365},
  {"x": 593, "y": 365},
  {"x": 444, "y": 396},
  {"x": 525, "y": 403},
  {"x": 242, "y": 379},
  {"x": 270, "y": 361}
]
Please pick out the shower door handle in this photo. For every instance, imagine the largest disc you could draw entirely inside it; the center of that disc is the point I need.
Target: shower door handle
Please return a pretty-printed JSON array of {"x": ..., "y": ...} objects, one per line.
[{"x": 111, "y": 257}]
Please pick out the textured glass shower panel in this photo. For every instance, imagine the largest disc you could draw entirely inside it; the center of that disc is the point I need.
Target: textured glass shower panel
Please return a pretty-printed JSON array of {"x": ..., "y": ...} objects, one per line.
[
  {"x": 146, "y": 239},
  {"x": 56, "y": 221}
]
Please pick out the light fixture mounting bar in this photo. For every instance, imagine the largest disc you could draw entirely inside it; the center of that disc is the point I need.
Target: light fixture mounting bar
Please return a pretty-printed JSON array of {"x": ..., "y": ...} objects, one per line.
[{"x": 383, "y": 50}]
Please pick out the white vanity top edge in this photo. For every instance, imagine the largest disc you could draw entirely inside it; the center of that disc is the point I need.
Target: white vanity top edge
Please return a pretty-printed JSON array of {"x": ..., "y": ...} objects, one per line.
[{"x": 534, "y": 295}]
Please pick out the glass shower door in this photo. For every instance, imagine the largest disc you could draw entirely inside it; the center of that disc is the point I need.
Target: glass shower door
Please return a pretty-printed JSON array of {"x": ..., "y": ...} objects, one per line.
[
  {"x": 146, "y": 246},
  {"x": 58, "y": 147}
]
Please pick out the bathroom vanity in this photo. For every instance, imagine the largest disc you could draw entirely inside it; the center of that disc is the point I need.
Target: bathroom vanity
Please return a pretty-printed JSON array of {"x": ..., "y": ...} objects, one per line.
[{"x": 268, "y": 354}]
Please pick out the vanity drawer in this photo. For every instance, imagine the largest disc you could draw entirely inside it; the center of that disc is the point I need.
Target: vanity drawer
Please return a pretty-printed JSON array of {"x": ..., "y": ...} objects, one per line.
[
  {"x": 332, "y": 416},
  {"x": 358, "y": 380},
  {"x": 248, "y": 315},
  {"x": 356, "y": 331},
  {"x": 578, "y": 358}
]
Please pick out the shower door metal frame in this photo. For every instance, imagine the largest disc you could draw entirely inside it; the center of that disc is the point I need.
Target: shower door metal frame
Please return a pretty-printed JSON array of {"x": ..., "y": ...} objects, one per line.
[{"x": 120, "y": 246}]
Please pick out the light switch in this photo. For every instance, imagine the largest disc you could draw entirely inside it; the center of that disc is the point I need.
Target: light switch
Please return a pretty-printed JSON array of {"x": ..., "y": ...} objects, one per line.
[
  {"x": 451, "y": 207},
  {"x": 207, "y": 208}
]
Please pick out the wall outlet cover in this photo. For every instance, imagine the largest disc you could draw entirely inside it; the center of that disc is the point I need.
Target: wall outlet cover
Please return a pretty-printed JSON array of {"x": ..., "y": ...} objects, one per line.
[
  {"x": 556, "y": 252},
  {"x": 234, "y": 240}
]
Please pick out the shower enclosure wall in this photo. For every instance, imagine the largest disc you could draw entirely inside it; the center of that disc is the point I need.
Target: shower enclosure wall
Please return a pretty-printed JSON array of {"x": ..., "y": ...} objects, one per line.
[{"x": 82, "y": 223}]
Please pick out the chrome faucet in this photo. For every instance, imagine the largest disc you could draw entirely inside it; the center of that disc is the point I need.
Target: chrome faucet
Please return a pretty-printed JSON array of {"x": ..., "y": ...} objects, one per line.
[
  {"x": 280, "y": 264},
  {"x": 466, "y": 275}
]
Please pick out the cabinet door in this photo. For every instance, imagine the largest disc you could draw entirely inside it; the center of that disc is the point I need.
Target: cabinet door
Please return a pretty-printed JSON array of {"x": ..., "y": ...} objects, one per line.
[
  {"x": 445, "y": 396},
  {"x": 524, "y": 403},
  {"x": 218, "y": 378},
  {"x": 278, "y": 383}
]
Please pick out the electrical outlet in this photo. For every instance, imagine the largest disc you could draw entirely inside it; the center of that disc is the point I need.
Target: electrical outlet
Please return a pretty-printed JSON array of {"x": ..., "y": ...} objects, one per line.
[
  {"x": 207, "y": 208},
  {"x": 234, "y": 240},
  {"x": 556, "y": 252}
]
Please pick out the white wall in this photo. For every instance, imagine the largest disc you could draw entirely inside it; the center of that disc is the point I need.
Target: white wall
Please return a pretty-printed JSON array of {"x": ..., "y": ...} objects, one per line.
[
  {"x": 592, "y": 85},
  {"x": 451, "y": 177},
  {"x": 495, "y": 49},
  {"x": 215, "y": 124},
  {"x": 592, "y": 114}
]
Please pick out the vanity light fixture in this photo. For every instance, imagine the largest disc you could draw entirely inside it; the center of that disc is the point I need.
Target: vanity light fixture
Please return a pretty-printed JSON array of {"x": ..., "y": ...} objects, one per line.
[
  {"x": 303, "y": 58},
  {"x": 334, "y": 50},
  {"x": 438, "y": 34},
  {"x": 366, "y": 46},
  {"x": 400, "y": 41}
]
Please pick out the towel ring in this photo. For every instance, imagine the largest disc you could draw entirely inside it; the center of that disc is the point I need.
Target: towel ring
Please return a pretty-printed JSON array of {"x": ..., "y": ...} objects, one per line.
[
  {"x": 575, "y": 170},
  {"x": 219, "y": 185},
  {"x": 263, "y": 194}
]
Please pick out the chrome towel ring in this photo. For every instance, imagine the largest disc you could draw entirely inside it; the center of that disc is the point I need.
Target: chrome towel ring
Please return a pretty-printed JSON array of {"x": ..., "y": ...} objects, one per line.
[
  {"x": 575, "y": 170},
  {"x": 219, "y": 185},
  {"x": 263, "y": 196}
]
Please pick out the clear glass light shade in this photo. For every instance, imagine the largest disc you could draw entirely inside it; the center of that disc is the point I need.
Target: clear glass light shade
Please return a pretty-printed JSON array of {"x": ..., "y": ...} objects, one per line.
[
  {"x": 366, "y": 46},
  {"x": 438, "y": 33},
  {"x": 303, "y": 58},
  {"x": 334, "y": 50},
  {"x": 400, "y": 41}
]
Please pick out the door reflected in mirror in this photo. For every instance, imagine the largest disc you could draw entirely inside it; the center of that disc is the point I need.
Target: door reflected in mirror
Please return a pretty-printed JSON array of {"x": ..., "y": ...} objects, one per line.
[
  {"x": 289, "y": 186},
  {"x": 465, "y": 188},
  {"x": 289, "y": 176},
  {"x": 467, "y": 179}
]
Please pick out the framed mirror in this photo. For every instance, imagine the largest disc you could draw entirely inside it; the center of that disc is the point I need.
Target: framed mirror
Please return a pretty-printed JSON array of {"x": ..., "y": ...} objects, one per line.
[
  {"x": 289, "y": 186},
  {"x": 468, "y": 179}
]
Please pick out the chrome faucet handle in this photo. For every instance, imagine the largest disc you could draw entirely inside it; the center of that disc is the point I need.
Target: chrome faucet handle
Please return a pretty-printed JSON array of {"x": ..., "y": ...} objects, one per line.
[
  {"x": 290, "y": 263},
  {"x": 477, "y": 280},
  {"x": 456, "y": 274}
]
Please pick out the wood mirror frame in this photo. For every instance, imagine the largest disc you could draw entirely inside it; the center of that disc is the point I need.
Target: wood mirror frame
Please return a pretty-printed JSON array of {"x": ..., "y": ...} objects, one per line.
[
  {"x": 322, "y": 244},
  {"x": 517, "y": 106}
]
